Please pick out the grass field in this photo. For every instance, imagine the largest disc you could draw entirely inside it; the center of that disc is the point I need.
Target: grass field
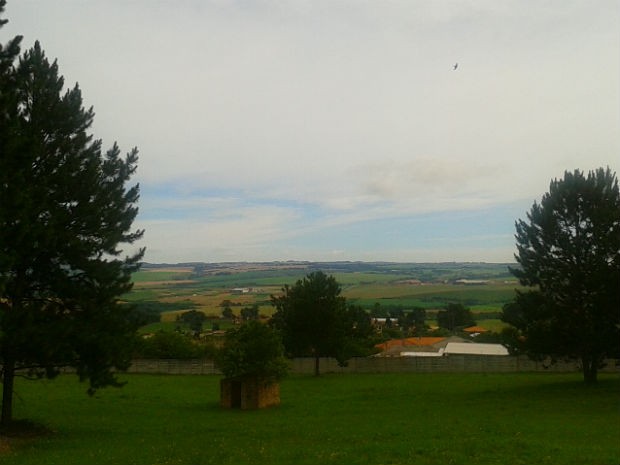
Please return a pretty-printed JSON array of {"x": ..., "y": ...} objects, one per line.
[{"x": 419, "y": 419}]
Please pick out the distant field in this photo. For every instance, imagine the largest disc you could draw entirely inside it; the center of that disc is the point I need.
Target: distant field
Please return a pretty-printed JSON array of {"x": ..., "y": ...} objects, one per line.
[
  {"x": 163, "y": 274},
  {"x": 389, "y": 285},
  {"x": 431, "y": 295},
  {"x": 421, "y": 419}
]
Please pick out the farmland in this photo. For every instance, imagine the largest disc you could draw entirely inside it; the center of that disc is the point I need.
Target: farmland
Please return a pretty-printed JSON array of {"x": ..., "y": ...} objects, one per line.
[
  {"x": 484, "y": 288},
  {"x": 426, "y": 419}
]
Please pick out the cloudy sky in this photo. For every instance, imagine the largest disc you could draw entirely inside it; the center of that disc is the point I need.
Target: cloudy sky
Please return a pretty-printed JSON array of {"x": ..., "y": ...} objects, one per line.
[{"x": 338, "y": 129}]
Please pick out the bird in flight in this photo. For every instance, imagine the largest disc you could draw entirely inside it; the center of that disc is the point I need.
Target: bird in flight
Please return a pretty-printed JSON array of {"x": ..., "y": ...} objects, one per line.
[{"x": 456, "y": 65}]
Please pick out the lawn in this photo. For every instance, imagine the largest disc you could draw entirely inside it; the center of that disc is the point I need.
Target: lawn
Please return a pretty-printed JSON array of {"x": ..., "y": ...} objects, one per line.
[{"x": 417, "y": 419}]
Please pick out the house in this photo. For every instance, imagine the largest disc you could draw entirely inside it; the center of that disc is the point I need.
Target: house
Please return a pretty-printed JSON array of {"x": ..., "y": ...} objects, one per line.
[
  {"x": 472, "y": 282},
  {"x": 422, "y": 353},
  {"x": 470, "y": 348},
  {"x": 475, "y": 330},
  {"x": 240, "y": 290},
  {"x": 394, "y": 347},
  {"x": 414, "y": 346},
  {"x": 436, "y": 347}
]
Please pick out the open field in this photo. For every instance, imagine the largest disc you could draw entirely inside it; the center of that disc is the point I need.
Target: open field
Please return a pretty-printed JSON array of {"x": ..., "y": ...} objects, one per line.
[
  {"x": 430, "y": 286},
  {"x": 422, "y": 419}
]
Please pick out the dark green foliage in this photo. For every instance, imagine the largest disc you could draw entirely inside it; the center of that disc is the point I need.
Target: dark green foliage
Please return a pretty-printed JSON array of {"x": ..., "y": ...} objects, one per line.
[
  {"x": 253, "y": 349},
  {"x": 569, "y": 253},
  {"x": 170, "y": 345},
  {"x": 360, "y": 335},
  {"x": 249, "y": 313},
  {"x": 312, "y": 317},
  {"x": 145, "y": 314},
  {"x": 455, "y": 316},
  {"x": 412, "y": 321},
  {"x": 194, "y": 320},
  {"x": 228, "y": 313},
  {"x": 378, "y": 311},
  {"x": 64, "y": 211},
  {"x": 417, "y": 319}
]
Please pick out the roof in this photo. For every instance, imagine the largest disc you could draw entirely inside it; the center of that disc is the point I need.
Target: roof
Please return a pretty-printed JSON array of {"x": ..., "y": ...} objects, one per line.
[
  {"x": 465, "y": 348},
  {"x": 422, "y": 354},
  {"x": 475, "y": 329},
  {"x": 410, "y": 341}
]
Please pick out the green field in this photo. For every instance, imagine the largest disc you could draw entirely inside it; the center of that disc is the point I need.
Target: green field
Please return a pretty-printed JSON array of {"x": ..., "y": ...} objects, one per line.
[
  {"x": 431, "y": 286},
  {"x": 420, "y": 419}
]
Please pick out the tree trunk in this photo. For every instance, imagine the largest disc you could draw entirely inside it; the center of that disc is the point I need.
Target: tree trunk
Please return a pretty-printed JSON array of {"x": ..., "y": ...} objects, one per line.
[
  {"x": 8, "y": 380},
  {"x": 316, "y": 365},
  {"x": 590, "y": 370}
]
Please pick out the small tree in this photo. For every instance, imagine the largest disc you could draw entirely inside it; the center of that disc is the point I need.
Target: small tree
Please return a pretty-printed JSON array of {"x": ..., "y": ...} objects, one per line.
[
  {"x": 360, "y": 334},
  {"x": 312, "y": 318},
  {"x": 194, "y": 320},
  {"x": 378, "y": 312},
  {"x": 569, "y": 252},
  {"x": 227, "y": 310},
  {"x": 170, "y": 345},
  {"x": 250, "y": 313},
  {"x": 253, "y": 349},
  {"x": 455, "y": 316},
  {"x": 417, "y": 319}
]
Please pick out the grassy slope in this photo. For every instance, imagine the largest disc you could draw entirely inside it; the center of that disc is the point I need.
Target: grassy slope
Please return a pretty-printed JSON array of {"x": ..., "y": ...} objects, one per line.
[{"x": 354, "y": 419}]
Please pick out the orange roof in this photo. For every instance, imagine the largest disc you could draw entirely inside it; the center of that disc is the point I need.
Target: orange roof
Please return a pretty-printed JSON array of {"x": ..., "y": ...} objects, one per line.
[
  {"x": 475, "y": 329},
  {"x": 410, "y": 341}
]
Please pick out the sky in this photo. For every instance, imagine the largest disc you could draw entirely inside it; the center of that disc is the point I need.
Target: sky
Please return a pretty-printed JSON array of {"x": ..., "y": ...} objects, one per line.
[{"x": 331, "y": 130}]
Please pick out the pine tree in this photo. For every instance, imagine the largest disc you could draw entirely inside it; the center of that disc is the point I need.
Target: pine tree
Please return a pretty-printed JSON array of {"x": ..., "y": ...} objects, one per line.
[
  {"x": 569, "y": 252},
  {"x": 65, "y": 212},
  {"x": 311, "y": 316}
]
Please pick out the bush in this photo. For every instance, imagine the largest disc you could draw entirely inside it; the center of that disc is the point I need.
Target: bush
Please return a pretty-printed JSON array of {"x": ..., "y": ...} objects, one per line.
[
  {"x": 170, "y": 345},
  {"x": 253, "y": 349}
]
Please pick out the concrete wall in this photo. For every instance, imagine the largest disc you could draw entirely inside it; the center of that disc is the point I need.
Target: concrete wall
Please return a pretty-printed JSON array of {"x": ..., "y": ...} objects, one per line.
[
  {"x": 447, "y": 364},
  {"x": 174, "y": 367}
]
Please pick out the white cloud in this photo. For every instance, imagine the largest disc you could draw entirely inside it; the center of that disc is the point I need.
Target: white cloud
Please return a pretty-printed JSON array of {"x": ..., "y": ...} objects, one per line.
[{"x": 266, "y": 121}]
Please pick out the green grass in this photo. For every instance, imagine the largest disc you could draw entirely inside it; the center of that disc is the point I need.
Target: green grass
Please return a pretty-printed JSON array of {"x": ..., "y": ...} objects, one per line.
[
  {"x": 147, "y": 276},
  {"x": 420, "y": 419},
  {"x": 484, "y": 298}
]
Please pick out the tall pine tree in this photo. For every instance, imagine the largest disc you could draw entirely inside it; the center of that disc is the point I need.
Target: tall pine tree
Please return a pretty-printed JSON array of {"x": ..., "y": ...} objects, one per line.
[
  {"x": 569, "y": 252},
  {"x": 312, "y": 318},
  {"x": 65, "y": 212}
]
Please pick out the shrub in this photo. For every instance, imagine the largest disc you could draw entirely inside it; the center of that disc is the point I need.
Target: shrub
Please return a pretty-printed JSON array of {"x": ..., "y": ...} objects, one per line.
[
  {"x": 253, "y": 349},
  {"x": 170, "y": 345}
]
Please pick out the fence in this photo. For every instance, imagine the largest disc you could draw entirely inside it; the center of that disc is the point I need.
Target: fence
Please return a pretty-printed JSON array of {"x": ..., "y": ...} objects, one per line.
[
  {"x": 446, "y": 364},
  {"x": 174, "y": 367}
]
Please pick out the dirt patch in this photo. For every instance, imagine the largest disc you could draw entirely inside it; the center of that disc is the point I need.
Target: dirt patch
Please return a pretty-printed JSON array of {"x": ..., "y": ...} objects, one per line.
[
  {"x": 20, "y": 432},
  {"x": 20, "y": 429}
]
